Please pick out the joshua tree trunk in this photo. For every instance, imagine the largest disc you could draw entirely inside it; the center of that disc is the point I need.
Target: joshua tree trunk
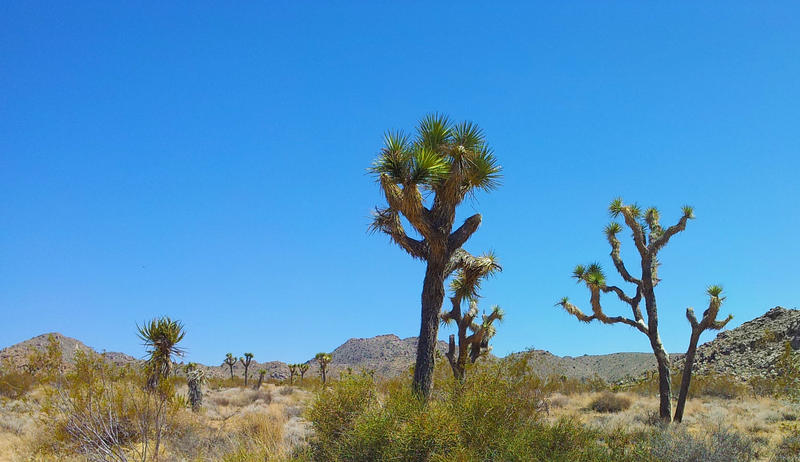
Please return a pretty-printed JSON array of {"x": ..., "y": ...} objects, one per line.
[
  {"x": 687, "y": 376},
  {"x": 260, "y": 381},
  {"x": 432, "y": 298},
  {"x": 231, "y": 368}
]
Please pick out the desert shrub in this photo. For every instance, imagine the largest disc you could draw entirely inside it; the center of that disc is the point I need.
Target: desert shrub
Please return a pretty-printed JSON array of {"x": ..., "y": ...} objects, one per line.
[
  {"x": 718, "y": 386},
  {"x": 676, "y": 444},
  {"x": 15, "y": 384},
  {"x": 286, "y": 391},
  {"x": 571, "y": 385},
  {"x": 788, "y": 450},
  {"x": 610, "y": 402}
]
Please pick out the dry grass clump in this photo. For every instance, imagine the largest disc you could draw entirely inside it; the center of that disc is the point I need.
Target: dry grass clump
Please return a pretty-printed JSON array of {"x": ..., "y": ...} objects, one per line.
[{"x": 610, "y": 402}]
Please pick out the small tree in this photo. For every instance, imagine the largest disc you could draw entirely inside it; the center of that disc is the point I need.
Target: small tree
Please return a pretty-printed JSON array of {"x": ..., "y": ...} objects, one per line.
[
  {"x": 292, "y": 372},
  {"x": 303, "y": 367},
  {"x": 230, "y": 360},
  {"x": 261, "y": 374},
  {"x": 194, "y": 380},
  {"x": 449, "y": 161},
  {"x": 709, "y": 321},
  {"x": 323, "y": 359},
  {"x": 248, "y": 357},
  {"x": 649, "y": 238},
  {"x": 465, "y": 287},
  {"x": 160, "y": 337}
]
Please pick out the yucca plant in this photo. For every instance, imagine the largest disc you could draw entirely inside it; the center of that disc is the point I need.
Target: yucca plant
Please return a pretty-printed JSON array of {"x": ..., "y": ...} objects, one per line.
[
  {"x": 323, "y": 359},
  {"x": 161, "y": 337},
  {"x": 261, "y": 374},
  {"x": 709, "y": 321},
  {"x": 424, "y": 178},
  {"x": 649, "y": 237},
  {"x": 194, "y": 381},
  {"x": 248, "y": 358},
  {"x": 303, "y": 368},
  {"x": 230, "y": 360},
  {"x": 475, "y": 343},
  {"x": 292, "y": 372}
]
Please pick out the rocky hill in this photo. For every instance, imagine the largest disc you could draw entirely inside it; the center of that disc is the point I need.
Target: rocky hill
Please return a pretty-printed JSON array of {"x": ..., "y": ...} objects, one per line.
[
  {"x": 611, "y": 367},
  {"x": 17, "y": 355},
  {"x": 752, "y": 348}
]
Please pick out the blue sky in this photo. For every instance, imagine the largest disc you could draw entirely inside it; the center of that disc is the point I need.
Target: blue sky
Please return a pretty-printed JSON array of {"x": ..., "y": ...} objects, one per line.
[{"x": 208, "y": 162}]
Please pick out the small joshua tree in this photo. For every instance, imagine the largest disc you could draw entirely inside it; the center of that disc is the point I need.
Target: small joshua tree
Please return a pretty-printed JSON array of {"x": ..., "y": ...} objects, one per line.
[
  {"x": 709, "y": 321},
  {"x": 649, "y": 238},
  {"x": 194, "y": 380},
  {"x": 292, "y": 372},
  {"x": 230, "y": 360},
  {"x": 465, "y": 288},
  {"x": 449, "y": 161},
  {"x": 248, "y": 357},
  {"x": 303, "y": 367},
  {"x": 261, "y": 374},
  {"x": 323, "y": 359}
]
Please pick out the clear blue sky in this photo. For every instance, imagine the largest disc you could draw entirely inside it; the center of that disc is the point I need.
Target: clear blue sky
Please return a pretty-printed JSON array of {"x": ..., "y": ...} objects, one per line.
[{"x": 209, "y": 161}]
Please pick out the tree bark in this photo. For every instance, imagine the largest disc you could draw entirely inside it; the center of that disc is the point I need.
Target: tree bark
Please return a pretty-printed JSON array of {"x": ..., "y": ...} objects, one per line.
[
  {"x": 664, "y": 380},
  {"x": 687, "y": 375},
  {"x": 432, "y": 298}
]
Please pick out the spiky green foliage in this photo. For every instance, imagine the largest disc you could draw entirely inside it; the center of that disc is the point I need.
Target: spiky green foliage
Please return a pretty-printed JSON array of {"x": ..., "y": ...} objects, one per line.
[
  {"x": 248, "y": 358},
  {"x": 160, "y": 337},
  {"x": 303, "y": 368},
  {"x": 649, "y": 237},
  {"x": 292, "y": 371},
  {"x": 323, "y": 359},
  {"x": 424, "y": 178}
]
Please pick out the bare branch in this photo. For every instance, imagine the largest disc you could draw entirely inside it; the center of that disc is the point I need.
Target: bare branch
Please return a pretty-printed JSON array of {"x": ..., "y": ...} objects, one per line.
[
  {"x": 463, "y": 233},
  {"x": 671, "y": 231}
]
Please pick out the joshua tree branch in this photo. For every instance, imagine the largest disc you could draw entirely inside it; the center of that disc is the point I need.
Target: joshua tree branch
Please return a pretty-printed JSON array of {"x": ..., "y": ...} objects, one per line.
[
  {"x": 618, "y": 263},
  {"x": 460, "y": 236},
  {"x": 671, "y": 231},
  {"x": 636, "y": 228},
  {"x": 388, "y": 221},
  {"x": 600, "y": 316}
]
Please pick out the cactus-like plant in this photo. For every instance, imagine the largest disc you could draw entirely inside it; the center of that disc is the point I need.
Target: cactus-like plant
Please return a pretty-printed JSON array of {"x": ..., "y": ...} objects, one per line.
[
  {"x": 292, "y": 372},
  {"x": 160, "y": 337},
  {"x": 261, "y": 374},
  {"x": 709, "y": 321},
  {"x": 194, "y": 381},
  {"x": 649, "y": 237},
  {"x": 230, "y": 360},
  {"x": 303, "y": 368},
  {"x": 465, "y": 287},
  {"x": 449, "y": 161},
  {"x": 248, "y": 358},
  {"x": 323, "y": 359}
]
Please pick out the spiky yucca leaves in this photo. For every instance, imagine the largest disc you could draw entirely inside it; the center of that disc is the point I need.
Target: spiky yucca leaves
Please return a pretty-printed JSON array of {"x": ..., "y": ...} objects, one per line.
[
  {"x": 194, "y": 381},
  {"x": 230, "y": 360},
  {"x": 473, "y": 336},
  {"x": 424, "y": 178},
  {"x": 161, "y": 337},
  {"x": 649, "y": 237},
  {"x": 323, "y": 359},
  {"x": 303, "y": 368},
  {"x": 292, "y": 372},
  {"x": 248, "y": 358},
  {"x": 708, "y": 321}
]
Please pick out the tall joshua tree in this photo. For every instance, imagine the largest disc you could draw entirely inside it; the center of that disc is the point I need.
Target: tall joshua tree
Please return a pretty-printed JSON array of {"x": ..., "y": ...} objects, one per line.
[
  {"x": 323, "y": 359},
  {"x": 303, "y": 367},
  {"x": 424, "y": 178},
  {"x": 248, "y": 358},
  {"x": 230, "y": 360},
  {"x": 292, "y": 372},
  {"x": 649, "y": 238},
  {"x": 465, "y": 288},
  {"x": 160, "y": 337},
  {"x": 709, "y": 321}
]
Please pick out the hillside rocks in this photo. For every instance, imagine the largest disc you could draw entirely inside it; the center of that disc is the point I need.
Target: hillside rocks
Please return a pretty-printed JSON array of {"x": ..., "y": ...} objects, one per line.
[{"x": 751, "y": 349}]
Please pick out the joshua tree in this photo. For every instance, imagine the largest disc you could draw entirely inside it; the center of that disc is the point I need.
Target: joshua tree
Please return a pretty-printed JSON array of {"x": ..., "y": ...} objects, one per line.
[
  {"x": 230, "y": 360},
  {"x": 194, "y": 380},
  {"x": 323, "y": 359},
  {"x": 292, "y": 372},
  {"x": 465, "y": 287},
  {"x": 261, "y": 374},
  {"x": 160, "y": 337},
  {"x": 649, "y": 238},
  {"x": 303, "y": 367},
  {"x": 709, "y": 321},
  {"x": 424, "y": 179},
  {"x": 248, "y": 357}
]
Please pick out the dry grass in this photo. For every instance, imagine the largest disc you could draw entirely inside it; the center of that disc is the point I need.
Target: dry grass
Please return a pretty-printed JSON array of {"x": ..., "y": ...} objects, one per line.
[{"x": 767, "y": 420}]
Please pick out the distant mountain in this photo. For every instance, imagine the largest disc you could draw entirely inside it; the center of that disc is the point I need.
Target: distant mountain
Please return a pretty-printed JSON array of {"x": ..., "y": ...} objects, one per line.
[{"x": 752, "y": 348}]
